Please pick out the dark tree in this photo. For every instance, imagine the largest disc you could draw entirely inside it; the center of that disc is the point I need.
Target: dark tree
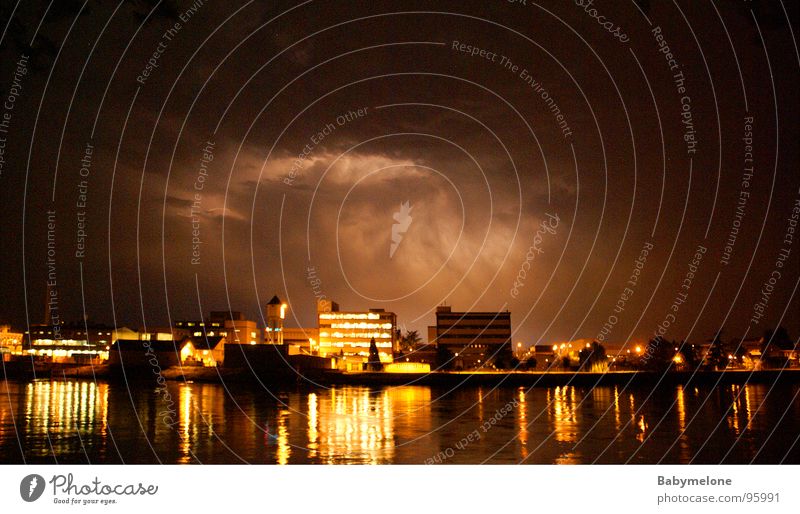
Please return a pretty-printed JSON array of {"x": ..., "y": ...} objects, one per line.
[
  {"x": 777, "y": 339},
  {"x": 689, "y": 355},
  {"x": 409, "y": 341},
  {"x": 374, "y": 361},
  {"x": 741, "y": 352},
  {"x": 530, "y": 364},
  {"x": 444, "y": 358},
  {"x": 772, "y": 345},
  {"x": 659, "y": 354},
  {"x": 503, "y": 358},
  {"x": 718, "y": 353},
  {"x": 593, "y": 357}
]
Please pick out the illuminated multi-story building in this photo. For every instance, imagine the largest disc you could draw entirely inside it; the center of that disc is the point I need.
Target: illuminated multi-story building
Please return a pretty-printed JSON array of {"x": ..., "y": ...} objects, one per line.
[
  {"x": 193, "y": 328},
  {"x": 348, "y": 334},
  {"x": 232, "y": 325},
  {"x": 242, "y": 331},
  {"x": 473, "y": 337},
  {"x": 73, "y": 342},
  {"x": 10, "y": 342}
]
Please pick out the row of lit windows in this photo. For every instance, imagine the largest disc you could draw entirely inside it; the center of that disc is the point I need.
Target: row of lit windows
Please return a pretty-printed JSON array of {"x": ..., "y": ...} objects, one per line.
[
  {"x": 362, "y": 325},
  {"x": 50, "y": 332},
  {"x": 210, "y": 333},
  {"x": 349, "y": 315},
  {"x": 339, "y": 344},
  {"x": 63, "y": 342},
  {"x": 357, "y": 335},
  {"x": 69, "y": 353}
]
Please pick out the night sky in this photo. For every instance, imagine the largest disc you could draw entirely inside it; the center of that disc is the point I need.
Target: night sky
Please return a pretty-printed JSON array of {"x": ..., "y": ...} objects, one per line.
[{"x": 288, "y": 135}]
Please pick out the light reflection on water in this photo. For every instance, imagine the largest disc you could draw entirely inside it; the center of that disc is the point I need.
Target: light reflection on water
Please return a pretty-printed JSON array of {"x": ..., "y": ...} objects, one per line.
[{"x": 83, "y": 421}]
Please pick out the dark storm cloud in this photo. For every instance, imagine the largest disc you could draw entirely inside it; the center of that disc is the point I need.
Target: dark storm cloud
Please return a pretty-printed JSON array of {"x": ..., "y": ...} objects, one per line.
[{"x": 484, "y": 152}]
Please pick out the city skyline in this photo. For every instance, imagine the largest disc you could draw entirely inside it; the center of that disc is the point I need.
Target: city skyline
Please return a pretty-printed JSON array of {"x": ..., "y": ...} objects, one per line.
[{"x": 399, "y": 232}]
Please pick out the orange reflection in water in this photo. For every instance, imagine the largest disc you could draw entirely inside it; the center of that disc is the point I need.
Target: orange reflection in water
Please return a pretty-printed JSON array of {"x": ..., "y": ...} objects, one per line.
[
  {"x": 522, "y": 423},
  {"x": 313, "y": 422},
  {"x": 284, "y": 450},
  {"x": 680, "y": 404},
  {"x": 200, "y": 422},
  {"x": 60, "y": 411},
  {"x": 186, "y": 426},
  {"x": 562, "y": 414},
  {"x": 354, "y": 424},
  {"x": 741, "y": 411}
]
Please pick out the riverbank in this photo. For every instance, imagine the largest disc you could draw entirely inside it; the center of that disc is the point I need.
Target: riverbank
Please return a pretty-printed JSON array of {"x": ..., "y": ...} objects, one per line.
[
  {"x": 559, "y": 378},
  {"x": 54, "y": 371}
]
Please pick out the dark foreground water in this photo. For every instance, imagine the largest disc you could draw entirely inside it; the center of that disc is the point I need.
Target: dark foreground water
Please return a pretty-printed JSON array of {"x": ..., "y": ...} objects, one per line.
[{"x": 78, "y": 421}]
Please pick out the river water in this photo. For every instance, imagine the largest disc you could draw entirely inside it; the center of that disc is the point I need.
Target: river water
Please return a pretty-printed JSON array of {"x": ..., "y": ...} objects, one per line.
[{"x": 81, "y": 421}]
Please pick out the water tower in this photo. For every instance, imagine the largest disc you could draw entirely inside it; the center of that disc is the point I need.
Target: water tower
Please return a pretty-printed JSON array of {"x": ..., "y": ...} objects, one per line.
[{"x": 276, "y": 313}]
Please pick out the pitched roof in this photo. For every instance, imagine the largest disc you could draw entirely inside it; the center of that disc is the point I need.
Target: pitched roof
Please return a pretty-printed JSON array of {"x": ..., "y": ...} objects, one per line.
[
  {"x": 206, "y": 343},
  {"x": 275, "y": 301}
]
